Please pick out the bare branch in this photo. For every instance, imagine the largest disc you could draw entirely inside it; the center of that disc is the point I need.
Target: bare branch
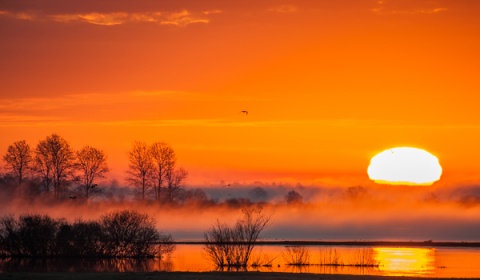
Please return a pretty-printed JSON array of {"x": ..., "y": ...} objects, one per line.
[
  {"x": 92, "y": 164},
  {"x": 18, "y": 160}
]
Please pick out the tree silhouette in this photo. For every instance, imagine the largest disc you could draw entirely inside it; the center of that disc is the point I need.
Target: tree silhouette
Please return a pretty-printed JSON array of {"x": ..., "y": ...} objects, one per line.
[
  {"x": 258, "y": 194},
  {"x": 54, "y": 161},
  {"x": 140, "y": 167},
  {"x": 175, "y": 180},
  {"x": 293, "y": 197},
  {"x": 92, "y": 165},
  {"x": 193, "y": 196},
  {"x": 155, "y": 167},
  {"x": 18, "y": 160},
  {"x": 164, "y": 160}
]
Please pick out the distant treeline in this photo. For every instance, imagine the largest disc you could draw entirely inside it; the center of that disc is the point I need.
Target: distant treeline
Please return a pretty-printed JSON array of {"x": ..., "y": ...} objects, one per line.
[
  {"x": 54, "y": 167},
  {"x": 55, "y": 172},
  {"x": 120, "y": 234}
]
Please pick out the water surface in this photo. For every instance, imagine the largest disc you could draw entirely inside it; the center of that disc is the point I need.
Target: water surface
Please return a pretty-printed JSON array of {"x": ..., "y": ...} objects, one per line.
[{"x": 387, "y": 261}]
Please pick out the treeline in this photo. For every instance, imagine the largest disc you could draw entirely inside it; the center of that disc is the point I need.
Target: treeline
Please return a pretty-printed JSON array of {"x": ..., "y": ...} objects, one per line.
[
  {"x": 54, "y": 171},
  {"x": 53, "y": 167},
  {"x": 120, "y": 234}
]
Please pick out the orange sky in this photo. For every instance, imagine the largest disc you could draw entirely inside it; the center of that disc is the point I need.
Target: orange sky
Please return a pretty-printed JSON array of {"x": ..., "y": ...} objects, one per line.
[{"x": 328, "y": 84}]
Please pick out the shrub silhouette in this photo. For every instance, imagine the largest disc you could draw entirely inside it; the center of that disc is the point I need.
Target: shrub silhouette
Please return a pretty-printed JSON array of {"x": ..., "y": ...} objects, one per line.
[
  {"x": 232, "y": 246},
  {"x": 29, "y": 236},
  {"x": 82, "y": 238},
  {"x": 8, "y": 236},
  {"x": 296, "y": 255},
  {"x": 129, "y": 234},
  {"x": 117, "y": 234}
]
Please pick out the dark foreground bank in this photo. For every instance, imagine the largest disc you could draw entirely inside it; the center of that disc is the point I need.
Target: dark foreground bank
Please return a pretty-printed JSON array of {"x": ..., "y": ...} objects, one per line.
[{"x": 199, "y": 276}]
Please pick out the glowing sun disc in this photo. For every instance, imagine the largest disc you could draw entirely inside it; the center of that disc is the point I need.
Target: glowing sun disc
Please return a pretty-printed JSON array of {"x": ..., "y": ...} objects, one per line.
[{"x": 404, "y": 166}]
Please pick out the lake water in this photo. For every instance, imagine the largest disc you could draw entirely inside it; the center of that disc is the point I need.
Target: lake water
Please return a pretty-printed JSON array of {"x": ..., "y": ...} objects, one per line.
[{"x": 428, "y": 262}]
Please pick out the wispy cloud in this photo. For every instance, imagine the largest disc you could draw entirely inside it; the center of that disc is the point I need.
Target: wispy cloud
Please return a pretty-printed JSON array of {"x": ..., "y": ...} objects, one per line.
[
  {"x": 284, "y": 9},
  {"x": 386, "y": 7},
  {"x": 19, "y": 15},
  {"x": 12, "y": 120},
  {"x": 211, "y": 12},
  {"x": 94, "y": 18},
  {"x": 180, "y": 18},
  {"x": 121, "y": 109},
  {"x": 107, "y": 109}
]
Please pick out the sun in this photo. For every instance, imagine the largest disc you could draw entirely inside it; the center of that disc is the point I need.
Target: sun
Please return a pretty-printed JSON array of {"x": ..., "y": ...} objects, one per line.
[{"x": 404, "y": 166}]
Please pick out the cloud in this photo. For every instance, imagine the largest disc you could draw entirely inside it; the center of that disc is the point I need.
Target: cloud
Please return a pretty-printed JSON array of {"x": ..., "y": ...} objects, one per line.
[
  {"x": 110, "y": 109},
  {"x": 25, "y": 120},
  {"x": 284, "y": 9},
  {"x": 408, "y": 7},
  {"x": 19, "y": 15},
  {"x": 167, "y": 109},
  {"x": 181, "y": 18},
  {"x": 94, "y": 18},
  {"x": 211, "y": 12}
]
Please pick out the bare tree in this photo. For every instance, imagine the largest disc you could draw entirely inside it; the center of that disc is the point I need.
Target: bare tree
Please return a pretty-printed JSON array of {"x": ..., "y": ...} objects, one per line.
[
  {"x": 92, "y": 164},
  {"x": 54, "y": 162},
  {"x": 232, "y": 246},
  {"x": 18, "y": 160},
  {"x": 164, "y": 160},
  {"x": 175, "y": 179},
  {"x": 140, "y": 167},
  {"x": 167, "y": 178}
]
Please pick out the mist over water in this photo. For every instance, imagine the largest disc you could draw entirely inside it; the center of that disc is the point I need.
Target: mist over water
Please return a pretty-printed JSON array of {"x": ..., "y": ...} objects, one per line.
[{"x": 322, "y": 213}]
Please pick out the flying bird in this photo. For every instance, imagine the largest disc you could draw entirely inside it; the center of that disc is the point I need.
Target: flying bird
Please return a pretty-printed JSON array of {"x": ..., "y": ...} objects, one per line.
[
  {"x": 244, "y": 112},
  {"x": 93, "y": 186},
  {"x": 73, "y": 197}
]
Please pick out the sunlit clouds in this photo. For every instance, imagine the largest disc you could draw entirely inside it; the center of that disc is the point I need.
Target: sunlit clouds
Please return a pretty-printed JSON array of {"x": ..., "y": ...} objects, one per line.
[
  {"x": 400, "y": 7},
  {"x": 94, "y": 18},
  {"x": 181, "y": 18}
]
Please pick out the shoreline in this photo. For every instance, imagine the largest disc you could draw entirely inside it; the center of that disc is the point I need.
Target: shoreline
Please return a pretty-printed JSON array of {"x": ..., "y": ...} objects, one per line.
[
  {"x": 203, "y": 276},
  {"x": 427, "y": 243}
]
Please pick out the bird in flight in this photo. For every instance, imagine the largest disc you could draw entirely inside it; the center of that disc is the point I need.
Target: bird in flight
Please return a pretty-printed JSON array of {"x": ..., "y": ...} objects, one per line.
[{"x": 244, "y": 112}]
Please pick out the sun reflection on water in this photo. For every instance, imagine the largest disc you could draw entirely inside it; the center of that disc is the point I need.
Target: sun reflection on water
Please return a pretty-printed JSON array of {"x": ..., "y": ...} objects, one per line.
[{"x": 406, "y": 261}]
